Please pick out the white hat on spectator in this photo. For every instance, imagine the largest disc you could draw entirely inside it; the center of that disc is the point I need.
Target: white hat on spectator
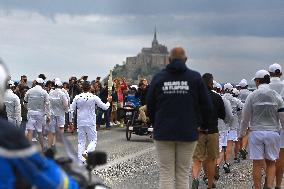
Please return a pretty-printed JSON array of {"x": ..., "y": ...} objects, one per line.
[
  {"x": 58, "y": 83},
  {"x": 39, "y": 80},
  {"x": 273, "y": 67}
]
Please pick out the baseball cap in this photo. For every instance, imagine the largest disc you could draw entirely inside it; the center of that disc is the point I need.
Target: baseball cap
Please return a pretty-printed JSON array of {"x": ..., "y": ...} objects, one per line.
[
  {"x": 39, "y": 80},
  {"x": 273, "y": 67},
  {"x": 58, "y": 83},
  {"x": 235, "y": 91},
  {"x": 260, "y": 74},
  {"x": 243, "y": 83},
  {"x": 228, "y": 86}
]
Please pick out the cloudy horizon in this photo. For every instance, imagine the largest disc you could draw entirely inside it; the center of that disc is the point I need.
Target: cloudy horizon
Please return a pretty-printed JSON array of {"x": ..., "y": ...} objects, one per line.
[{"x": 231, "y": 39}]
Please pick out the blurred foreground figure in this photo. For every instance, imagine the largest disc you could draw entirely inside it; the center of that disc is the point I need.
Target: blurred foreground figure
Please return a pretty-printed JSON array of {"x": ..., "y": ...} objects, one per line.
[
  {"x": 22, "y": 166},
  {"x": 261, "y": 113},
  {"x": 178, "y": 105}
]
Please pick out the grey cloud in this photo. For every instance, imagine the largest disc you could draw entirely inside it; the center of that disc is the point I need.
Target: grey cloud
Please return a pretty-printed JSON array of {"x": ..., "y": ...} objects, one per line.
[{"x": 203, "y": 17}]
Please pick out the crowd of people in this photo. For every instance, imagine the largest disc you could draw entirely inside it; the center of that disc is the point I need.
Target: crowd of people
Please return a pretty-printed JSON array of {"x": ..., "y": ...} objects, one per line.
[
  {"x": 48, "y": 106},
  {"x": 197, "y": 122}
]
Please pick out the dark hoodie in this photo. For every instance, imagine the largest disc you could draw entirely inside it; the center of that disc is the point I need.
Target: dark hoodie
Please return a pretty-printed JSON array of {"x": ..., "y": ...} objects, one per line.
[{"x": 178, "y": 103}]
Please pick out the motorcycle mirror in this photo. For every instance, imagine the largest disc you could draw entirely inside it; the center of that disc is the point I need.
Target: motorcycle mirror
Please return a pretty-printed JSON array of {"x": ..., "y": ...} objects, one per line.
[{"x": 96, "y": 158}]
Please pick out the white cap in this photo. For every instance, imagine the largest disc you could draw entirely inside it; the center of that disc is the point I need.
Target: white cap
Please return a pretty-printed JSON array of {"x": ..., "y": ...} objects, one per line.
[
  {"x": 260, "y": 74},
  {"x": 228, "y": 86},
  {"x": 134, "y": 86},
  {"x": 273, "y": 67},
  {"x": 57, "y": 79},
  {"x": 235, "y": 91},
  {"x": 243, "y": 83},
  {"x": 11, "y": 83},
  {"x": 39, "y": 80},
  {"x": 58, "y": 83}
]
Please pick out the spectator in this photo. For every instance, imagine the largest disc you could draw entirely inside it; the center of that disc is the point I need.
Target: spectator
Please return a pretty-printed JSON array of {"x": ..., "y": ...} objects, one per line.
[
  {"x": 24, "y": 80},
  {"x": 178, "y": 104},
  {"x": 74, "y": 88},
  {"x": 107, "y": 113},
  {"x": 42, "y": 76}
]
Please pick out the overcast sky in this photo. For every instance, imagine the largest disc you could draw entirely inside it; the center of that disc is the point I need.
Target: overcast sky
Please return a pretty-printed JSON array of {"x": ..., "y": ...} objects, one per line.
[{"x": 229, "y": 38}]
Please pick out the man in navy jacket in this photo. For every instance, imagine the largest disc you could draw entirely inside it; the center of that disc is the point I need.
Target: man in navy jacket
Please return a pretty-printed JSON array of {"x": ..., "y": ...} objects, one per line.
[{"x": 179, "y": 107}]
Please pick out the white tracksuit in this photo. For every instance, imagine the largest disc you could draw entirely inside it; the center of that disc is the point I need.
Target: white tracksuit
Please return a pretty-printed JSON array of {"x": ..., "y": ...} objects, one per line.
[
  {"x": 58, "y": 106},
  {"x": 38, "y": 106},
  {"x": 85, "y": 104},
  {"x": 262, "y": 112},
  {"x": 13, "y": 107},
  {"x": 223, "y": 125},
  {"x": 234, "y": 124},
  {"x": 278, "y": 85}
]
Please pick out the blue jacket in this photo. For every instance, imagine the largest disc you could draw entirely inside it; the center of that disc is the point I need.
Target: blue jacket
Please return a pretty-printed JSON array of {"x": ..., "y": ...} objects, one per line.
[
  {"x": 22, "y": 166},
  {"x": 178, "y": 103}
]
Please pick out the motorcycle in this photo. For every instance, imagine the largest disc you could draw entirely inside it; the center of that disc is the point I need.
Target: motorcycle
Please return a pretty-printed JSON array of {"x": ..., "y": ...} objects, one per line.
[{"x": 68, "y": 161}]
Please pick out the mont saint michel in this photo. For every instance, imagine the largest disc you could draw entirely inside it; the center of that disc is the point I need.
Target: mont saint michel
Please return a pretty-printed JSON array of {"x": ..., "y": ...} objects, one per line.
[{"x": 147, "y": 63}]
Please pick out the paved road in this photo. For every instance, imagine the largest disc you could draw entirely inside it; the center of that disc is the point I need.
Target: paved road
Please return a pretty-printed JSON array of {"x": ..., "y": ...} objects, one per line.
[{"x": 132, "y": 164}]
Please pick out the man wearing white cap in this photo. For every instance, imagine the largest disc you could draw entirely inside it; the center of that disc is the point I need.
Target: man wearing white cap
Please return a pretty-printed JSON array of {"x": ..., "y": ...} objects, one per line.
[
  {"x": 38, "y": 106},
  {"x": 13, "y": 105},
  {"x": 233, "y": 125},
  {"x": 244, "y": 92},
  {"x": 223, "y": 128},
  {"x": 278, "y": 85},
  {"x": 275, "y": 72},
  {"x": 261, "y": 113},
  {"x": 58, "y": 107}
]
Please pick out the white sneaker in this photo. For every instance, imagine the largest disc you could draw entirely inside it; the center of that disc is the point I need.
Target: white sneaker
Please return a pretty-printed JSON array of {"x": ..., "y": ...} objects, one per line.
[
  {"x": 34, "y": 140},
  {"x": 111, "y": 123}
]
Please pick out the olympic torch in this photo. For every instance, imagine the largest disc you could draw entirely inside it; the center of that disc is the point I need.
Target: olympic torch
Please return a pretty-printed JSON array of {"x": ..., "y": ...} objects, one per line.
[{"x": 110, "y": 83}]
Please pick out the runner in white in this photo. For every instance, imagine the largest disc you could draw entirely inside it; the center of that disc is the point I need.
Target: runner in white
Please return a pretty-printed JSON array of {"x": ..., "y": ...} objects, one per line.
[
  {"x": 58, "y": 106},
  {"x": 234, "y": 125},
  {"x": 38, "y": 106},
  {"x": 223, "y": 130},
  {"x": 261, "y": 113},
  {"x": 85, "y": 104},
  {"x": 13, "y": 105},
  {"x": 278, "y": 85},
  {"x": 244, "y": 92}
]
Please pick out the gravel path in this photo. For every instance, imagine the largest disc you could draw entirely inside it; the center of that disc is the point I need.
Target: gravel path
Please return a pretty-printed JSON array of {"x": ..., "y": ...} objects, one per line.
[{"x": 132, "y": 164}]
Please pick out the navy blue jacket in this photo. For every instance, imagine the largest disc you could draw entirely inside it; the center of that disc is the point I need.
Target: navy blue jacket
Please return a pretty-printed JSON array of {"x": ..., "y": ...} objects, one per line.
[{"x": 178, "y": 103}]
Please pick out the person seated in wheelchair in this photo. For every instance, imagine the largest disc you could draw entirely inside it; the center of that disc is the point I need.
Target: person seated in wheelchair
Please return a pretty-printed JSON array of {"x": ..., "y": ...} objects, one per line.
[{"x": 132, "y": 99}]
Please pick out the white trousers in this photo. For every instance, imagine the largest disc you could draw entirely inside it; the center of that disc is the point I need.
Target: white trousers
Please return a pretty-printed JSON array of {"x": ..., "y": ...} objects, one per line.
[
  {"x": 85, "y": 133},
  {"x": 174, "y": 160}
]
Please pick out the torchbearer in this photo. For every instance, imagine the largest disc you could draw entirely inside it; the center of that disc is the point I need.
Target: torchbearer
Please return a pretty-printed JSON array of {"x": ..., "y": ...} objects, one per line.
[{"x": 85, "y": 103}]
